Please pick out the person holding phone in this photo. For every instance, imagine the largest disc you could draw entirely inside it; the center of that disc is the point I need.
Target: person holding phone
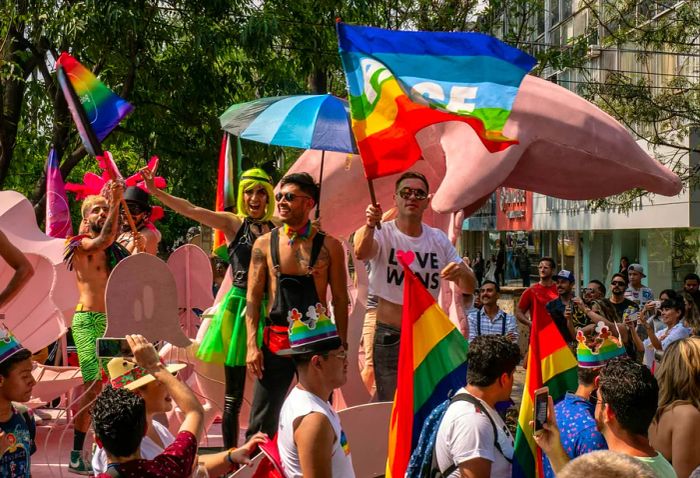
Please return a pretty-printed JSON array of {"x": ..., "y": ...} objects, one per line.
[
  {"x": 121, "y": 421},
  {"x": 627, "y": 396}
]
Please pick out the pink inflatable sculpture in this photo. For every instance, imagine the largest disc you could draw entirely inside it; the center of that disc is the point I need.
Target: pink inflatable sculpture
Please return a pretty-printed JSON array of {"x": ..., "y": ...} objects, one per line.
[{"x": 569, "y": 148}]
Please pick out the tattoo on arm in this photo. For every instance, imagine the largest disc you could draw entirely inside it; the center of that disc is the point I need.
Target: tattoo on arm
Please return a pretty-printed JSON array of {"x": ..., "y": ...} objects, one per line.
[{"x": 258, "y": 255}]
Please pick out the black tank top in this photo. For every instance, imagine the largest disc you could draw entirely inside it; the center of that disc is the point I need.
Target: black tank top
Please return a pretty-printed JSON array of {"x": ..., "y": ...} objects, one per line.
[
  {"x": 293, "y": 291},
  {"x": 240, "y": 251}
]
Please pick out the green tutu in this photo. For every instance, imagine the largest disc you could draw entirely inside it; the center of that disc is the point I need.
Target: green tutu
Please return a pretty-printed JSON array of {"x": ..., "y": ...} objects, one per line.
[{"x": 226, "y": 339}]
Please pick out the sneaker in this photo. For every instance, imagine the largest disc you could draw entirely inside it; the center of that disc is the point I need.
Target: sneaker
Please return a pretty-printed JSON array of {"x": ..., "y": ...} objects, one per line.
[{"x": 78, "y": 464}]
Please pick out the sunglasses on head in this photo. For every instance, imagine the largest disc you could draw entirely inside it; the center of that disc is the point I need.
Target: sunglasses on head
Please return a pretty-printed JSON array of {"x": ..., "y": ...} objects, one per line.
[
  {"x": 406, "y": 193},
  {"x": 289, "y": 197}
]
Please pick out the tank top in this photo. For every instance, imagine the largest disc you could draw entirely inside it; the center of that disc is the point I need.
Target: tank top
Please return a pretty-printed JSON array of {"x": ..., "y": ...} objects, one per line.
[
  {"x": 240, "y": 251},
  {"x": 300, "y": 403}
]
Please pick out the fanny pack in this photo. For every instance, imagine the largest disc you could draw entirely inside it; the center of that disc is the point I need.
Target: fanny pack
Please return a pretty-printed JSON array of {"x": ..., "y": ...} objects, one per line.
[{"x": 276, "y": 338}]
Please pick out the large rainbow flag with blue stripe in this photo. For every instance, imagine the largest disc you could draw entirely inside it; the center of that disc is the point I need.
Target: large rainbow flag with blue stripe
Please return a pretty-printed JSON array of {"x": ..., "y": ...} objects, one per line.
[
  {"x": 432, "y": 366},
  {"x": 399, "y": 82}
]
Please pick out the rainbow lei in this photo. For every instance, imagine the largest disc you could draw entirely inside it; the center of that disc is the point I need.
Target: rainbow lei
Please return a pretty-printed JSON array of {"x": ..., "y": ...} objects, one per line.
[{"x": 293, "y": 235}]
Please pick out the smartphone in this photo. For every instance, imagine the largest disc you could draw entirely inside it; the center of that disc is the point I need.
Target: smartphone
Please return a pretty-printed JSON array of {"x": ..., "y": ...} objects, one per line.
[
  {"x": 108, "y": 347},
  {"x": 540, "y": 412}
]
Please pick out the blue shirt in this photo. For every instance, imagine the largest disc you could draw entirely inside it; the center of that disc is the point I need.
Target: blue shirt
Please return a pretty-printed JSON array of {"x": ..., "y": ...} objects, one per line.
[
  {"x": 577, "y": 427},
  {"x": 15, "y": 463}
]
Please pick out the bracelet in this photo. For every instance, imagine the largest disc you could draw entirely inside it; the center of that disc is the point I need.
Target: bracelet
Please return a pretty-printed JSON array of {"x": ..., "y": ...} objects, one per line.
[{"x": 233, "y": 464}]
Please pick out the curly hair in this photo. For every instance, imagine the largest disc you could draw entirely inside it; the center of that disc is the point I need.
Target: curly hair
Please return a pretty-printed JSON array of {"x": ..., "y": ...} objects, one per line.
[
  {"x": 119, "y": 419},
  {"x": 632, "y": 393},
  {"x": 490, "y": 356},
  {"x": 679, "y": 375}
]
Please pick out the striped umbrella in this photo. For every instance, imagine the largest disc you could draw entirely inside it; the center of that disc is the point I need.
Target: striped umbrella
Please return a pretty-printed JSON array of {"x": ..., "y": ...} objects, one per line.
[{"x": 319, "y": 122}]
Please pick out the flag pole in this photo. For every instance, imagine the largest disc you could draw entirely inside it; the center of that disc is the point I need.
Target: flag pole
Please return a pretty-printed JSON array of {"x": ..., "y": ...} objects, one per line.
[{"x": 373, "y": 197}]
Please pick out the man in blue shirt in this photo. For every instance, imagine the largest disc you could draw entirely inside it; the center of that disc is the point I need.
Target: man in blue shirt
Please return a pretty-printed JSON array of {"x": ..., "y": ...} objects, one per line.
[{"x": 575, "y": 419}]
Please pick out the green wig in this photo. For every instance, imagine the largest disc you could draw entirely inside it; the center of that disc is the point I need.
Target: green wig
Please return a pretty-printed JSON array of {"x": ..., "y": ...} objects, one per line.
[{"x": 249, "y": 179}]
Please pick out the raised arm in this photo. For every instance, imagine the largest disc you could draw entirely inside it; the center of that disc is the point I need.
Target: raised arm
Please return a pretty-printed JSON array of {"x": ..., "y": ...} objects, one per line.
[
  {"x": 147, "y": 357},
  {"x": 339, "y": 287},
  {"x": 23, "y": 269},
  {"x": 257, "y": 283},
  {"x": 224, "y": 221},
  {"x": 366, "y": 246},
  {"x": 109, "y": 231}
]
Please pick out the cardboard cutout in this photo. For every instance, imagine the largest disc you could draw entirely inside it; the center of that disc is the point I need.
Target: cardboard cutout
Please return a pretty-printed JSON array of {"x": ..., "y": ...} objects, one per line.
[{"x": 141, "y": 298}]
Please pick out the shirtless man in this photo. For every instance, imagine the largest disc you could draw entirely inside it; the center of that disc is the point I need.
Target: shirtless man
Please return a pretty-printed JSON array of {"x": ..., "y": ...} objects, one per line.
[
  {"x": 92, "y": 254},
  {"x": 435, "y": 259},
  {"x": 295, "y": 264},
  {"x": 137, "y": 201},
  {"x": 23, "y": 269}
]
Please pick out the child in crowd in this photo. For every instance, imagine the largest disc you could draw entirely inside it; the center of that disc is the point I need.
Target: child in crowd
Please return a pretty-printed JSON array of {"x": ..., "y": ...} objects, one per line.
[{"x": 17, "y": 427}]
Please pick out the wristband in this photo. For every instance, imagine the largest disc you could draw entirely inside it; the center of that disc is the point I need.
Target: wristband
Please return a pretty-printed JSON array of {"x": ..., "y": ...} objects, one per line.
[{"x": 233, "y": 464}]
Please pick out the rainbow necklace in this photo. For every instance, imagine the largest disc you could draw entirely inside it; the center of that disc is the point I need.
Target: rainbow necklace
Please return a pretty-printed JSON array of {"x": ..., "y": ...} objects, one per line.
[{"x": 293, "y": 235}]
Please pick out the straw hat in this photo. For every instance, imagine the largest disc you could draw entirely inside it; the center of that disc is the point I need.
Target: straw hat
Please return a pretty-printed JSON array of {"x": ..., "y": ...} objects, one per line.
[{"x": 125, "y": 373}]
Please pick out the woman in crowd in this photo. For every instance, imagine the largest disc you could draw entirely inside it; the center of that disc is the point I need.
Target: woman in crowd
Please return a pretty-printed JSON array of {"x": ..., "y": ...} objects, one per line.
[
  {"x": 675, "y": 431},
  {"x": 225, "y": 340},
  {"x": 672, "y": 311},
  {"x": 692, "y": 315}
]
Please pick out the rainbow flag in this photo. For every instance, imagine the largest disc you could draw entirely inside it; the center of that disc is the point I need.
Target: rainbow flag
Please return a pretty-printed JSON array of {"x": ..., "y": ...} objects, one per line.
[
  {"x": 550, "y": 362},
  {"x": 432, "y": 366},
  {"x": 58, "y": 223},
  {"x": 399, "y": 82},
  {"x": 96, "y": 110},
  {"x": 225, "y": 195}
]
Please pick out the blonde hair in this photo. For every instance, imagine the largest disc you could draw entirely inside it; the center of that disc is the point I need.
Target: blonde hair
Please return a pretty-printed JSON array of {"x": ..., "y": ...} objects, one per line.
[
  {"x": 679, "y": 375},
  {"x": 88, "y": 203},
  {"x": 249, "y": 179},
  {"x": 606, "y": 463}
]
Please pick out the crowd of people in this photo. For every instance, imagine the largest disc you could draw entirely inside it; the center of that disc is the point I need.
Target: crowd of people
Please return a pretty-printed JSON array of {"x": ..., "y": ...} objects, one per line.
[{"x": 286, "y": 316}]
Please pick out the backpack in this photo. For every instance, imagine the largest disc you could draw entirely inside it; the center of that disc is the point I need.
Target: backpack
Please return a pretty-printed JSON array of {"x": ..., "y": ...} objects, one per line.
[{"x": 423, "y": 462}]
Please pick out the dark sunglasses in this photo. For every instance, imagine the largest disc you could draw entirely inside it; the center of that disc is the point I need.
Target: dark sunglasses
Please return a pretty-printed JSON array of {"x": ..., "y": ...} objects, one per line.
[
  {"x": 406, "y": 193},
  {"x": 618, "y": 282},
  {"x": 289, "y": 197}
]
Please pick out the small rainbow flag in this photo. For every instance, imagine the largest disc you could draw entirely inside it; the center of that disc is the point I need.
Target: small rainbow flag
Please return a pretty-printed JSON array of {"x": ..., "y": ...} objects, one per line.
[
  {"x": 399, "y": 82},
  {"x": 96, "y": 110},
  {"x": 550, "y": 362},
  {"x": 225, "y": 195},
  {"x": 432, "y": 366}
]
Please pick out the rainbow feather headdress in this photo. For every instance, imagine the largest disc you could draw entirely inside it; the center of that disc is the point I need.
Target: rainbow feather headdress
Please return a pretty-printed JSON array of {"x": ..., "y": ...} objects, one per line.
[{"x": 593, "y": 352}]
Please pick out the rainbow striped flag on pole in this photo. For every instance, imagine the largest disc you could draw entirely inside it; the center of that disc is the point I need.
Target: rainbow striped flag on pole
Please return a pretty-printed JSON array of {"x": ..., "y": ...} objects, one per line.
[
  {"x": 225, "y": 194},
  {"x": 432, "y": 366},
  {"x": 399, "y": 82},
  {"x": 96, "y": 110},
  {"x": 550, "y": 362}
]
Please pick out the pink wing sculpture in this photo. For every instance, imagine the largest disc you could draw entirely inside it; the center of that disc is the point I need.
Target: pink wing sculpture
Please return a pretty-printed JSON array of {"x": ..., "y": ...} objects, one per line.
[{"x": 191, "y": 269}]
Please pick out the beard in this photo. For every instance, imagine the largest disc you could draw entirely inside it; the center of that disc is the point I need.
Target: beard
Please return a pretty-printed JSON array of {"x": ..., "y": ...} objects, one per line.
[{"x": 95, "y": 228}]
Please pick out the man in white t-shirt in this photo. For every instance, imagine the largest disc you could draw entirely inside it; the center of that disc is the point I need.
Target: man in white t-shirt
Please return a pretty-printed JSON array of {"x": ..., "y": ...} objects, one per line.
[
  {"x": 310, "y": 438},
  {"x": 431, "y": 256},
  {"x": 472, "y": 439},
  {"x": 636, "y": 292}
]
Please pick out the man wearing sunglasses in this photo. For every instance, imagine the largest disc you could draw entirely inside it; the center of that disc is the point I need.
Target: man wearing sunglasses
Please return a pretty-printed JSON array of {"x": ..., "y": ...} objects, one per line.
[
  {"x": 294, "y": 265},
  {"x": 434, "y": 258},
  {"x": 137, "y": 201}
]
